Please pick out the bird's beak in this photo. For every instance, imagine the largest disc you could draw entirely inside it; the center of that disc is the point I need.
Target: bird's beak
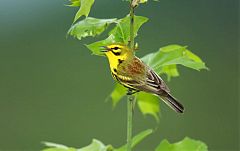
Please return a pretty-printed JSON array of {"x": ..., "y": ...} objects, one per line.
[{"x": 104, "y": 49}]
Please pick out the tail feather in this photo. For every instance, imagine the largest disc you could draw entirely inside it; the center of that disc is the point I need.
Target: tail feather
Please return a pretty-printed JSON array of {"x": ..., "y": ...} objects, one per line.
[{"x": 173, "y": 103}]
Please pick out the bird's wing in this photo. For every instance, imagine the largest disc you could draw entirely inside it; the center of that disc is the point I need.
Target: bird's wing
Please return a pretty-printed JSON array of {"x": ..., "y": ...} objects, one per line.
[
  {"x": 151, "y": 83},
  {"x": 139, "y": 76},
  {"x": 131, "y": 73},
  {"x": 154, "y": 80}
]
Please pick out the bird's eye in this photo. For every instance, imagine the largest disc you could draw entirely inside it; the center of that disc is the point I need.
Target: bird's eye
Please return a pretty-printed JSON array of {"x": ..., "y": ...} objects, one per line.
[{"x": 115, "y": 48}]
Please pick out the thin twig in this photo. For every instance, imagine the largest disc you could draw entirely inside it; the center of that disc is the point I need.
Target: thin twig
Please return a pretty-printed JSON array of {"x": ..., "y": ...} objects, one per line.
[{"x": 131, "y": 98}]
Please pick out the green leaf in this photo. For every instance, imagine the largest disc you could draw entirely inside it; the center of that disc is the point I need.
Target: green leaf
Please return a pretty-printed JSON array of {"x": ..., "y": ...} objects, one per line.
[
  {"x": 95, "y": 47},
  {"x": 165, "y": 60},
  {"x": 170, "y": 71},
  {"x": 118, "y": 93},
  {"x": 143, "y": 1},
  {"x": 119, "y": 34},
  {"x": 74, "y": 3},
  {"x": 148, "y": 104},
  {"x": 84, "y": 9},
  {"x": 90, "y": 27},
  {"x": 135, "y": 3},
  {"x": 186, "y": 144},
  {"x": 57, "y": 147},
  {"x": 50, "y": 144},
  {"x": 96, "y": 145},
  {"x": 136, "y": 139},
  {"x": 139, "y": 137}
]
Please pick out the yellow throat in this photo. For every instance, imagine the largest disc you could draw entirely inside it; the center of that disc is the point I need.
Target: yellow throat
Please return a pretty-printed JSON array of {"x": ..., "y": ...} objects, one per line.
[{"x": 117, "y": 53}]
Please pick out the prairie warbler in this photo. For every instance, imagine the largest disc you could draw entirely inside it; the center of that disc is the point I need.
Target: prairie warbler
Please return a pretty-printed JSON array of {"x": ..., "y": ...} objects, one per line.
[{"x": 135, "y": 75}]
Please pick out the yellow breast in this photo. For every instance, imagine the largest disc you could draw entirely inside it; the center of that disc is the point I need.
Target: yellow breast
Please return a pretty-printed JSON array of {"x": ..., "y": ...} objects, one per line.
[{"x": 114, "y": 61}]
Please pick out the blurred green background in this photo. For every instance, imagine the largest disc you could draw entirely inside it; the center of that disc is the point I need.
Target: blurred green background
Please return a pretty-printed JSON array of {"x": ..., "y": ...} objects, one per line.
[{"x": 53, "y": 89}]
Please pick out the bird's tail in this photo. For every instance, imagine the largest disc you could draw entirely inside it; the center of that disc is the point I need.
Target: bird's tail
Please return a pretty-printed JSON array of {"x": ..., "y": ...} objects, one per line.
[{"x": 173, "y": 103}]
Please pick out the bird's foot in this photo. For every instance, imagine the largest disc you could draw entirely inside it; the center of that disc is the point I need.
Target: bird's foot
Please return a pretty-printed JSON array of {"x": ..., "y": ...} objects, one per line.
[{"x": 131, "y": 91}]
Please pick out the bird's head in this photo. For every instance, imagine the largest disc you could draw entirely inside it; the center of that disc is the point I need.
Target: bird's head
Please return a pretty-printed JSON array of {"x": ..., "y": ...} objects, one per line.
[{"x": 117, "y": 51}]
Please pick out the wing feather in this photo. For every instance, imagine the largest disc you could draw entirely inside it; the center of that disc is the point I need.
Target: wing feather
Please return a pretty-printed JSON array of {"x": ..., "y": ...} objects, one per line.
[{"x": 139, "y": 76}]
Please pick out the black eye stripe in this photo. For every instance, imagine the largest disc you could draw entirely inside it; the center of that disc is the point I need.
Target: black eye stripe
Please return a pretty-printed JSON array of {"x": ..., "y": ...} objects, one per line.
[
  {"x": 116, "y": 53},
  {"x": 115, "y": 48}
]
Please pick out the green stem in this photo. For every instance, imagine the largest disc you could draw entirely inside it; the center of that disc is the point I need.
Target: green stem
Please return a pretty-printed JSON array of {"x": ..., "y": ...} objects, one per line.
[
  {"x": 130, "y": 102},
  {"x": 131, "y": 26},
  {"x": 131, "y": 98}
]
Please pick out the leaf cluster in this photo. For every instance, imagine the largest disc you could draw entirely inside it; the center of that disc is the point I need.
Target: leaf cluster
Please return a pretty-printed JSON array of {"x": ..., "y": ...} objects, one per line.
[
  {"x": 164, "y": 61},
  {"x": 187, "y": 144}
]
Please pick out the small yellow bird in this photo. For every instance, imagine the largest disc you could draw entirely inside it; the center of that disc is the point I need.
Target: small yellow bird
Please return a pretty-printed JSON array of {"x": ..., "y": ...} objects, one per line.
[{"x": 135, "y": 75}]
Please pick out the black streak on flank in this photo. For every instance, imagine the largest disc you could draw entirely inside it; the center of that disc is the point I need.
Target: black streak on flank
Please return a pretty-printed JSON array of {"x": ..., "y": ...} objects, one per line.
[{"x": 115, "y": 70}]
